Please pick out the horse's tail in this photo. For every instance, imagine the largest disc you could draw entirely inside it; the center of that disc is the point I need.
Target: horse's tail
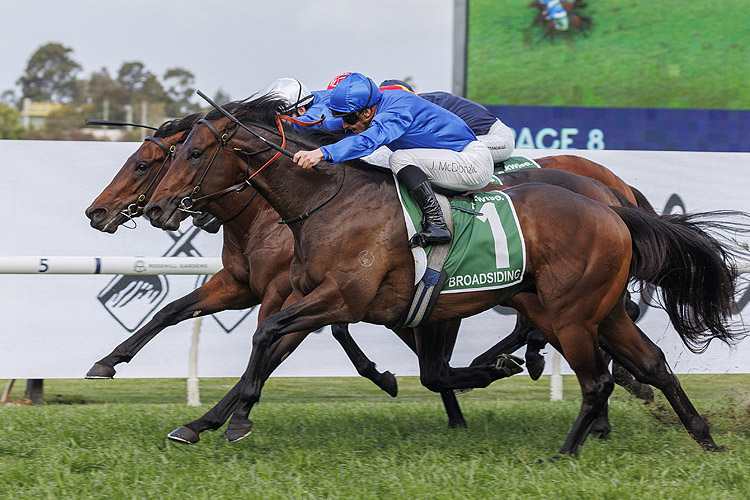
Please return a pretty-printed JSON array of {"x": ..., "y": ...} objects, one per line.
[
  {"x": 696, "y": 271},
  {"x": 641, "y": 201}
]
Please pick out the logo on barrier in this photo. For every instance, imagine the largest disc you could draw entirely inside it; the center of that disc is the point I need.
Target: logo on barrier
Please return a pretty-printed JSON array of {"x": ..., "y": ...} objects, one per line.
[{"x": 131, "y": 300}]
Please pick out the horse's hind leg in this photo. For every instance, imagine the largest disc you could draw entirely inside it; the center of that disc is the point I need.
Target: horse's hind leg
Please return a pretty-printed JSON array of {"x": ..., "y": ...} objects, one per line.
[
  {"x": 585, "y": 358},
  {"x": 636, "y": 352},
  {"x": 220, "y": 293},
  {"x": 622, "y": 376},
  {"x": 576, "y": 339},
  {"x": 449, "y": 333}
]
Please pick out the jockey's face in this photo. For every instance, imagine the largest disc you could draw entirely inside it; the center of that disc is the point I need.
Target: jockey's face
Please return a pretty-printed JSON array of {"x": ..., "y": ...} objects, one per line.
[{"x": 364, "y": 118}]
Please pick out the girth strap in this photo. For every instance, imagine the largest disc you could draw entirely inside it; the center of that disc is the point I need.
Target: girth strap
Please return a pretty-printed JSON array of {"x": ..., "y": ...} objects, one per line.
[{"x": 428, "y": 289}]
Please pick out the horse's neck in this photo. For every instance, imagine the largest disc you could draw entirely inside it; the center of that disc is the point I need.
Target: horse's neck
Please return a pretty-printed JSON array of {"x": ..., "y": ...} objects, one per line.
[
  {"x": 243, "y": 212},
  {"x": 293, "y": 191}
]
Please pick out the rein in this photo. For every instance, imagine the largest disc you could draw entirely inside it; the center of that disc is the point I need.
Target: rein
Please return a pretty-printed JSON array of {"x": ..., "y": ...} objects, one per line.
[
  {"x": 187, "y": 202},
  {"x": 309, "y": 213},
  {"x": 132, "y": 210}
]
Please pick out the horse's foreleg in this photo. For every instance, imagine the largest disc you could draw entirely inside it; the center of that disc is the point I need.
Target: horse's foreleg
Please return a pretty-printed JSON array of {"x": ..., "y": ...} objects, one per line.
[
  {"x": 219, "y": 413},
  {"x": 364, "y": 365},
  {"x": 323, "y": 306},
  {"x": 220, "y": 293},
  {"x": 641, "y": 357}
]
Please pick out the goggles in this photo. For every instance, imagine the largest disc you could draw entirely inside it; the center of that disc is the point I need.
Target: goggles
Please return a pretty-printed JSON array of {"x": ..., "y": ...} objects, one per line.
[{"x": 348, "y": 118}]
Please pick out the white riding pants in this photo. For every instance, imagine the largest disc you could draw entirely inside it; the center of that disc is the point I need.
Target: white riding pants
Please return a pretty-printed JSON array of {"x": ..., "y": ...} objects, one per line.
[
  {"x": 500, "y": 141},
  {"x": 456, "y": 170}
]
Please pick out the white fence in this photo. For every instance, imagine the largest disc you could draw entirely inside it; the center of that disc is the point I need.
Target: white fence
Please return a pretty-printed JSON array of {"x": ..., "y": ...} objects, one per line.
[{"x": 57, "y": 326}]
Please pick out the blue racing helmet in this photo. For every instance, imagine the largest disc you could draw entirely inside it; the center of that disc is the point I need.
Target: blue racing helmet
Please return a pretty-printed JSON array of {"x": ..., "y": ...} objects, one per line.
[{"x": 354, "y": 93}]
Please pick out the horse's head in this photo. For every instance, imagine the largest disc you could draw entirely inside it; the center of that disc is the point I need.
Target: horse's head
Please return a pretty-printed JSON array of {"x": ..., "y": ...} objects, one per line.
[
  {"x": 203, "y": 166},
  {"x": 127, "y": 194},
  {"x": 223, "y": 154}
]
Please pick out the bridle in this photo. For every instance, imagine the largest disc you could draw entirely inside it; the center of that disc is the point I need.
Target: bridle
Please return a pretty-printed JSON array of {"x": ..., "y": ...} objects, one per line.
[
  {"x": 187, "y": 203},
  {"x": 132, "y": 210}
]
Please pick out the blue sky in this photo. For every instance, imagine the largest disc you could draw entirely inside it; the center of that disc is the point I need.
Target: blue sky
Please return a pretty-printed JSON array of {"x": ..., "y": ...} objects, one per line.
[{"x": 240, "y": 46}]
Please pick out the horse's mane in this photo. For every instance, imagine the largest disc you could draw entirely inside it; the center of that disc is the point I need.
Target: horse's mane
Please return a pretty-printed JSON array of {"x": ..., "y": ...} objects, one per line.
[
  {"x": 172, "y": 127},
  {"x": 264, "y": 109}
]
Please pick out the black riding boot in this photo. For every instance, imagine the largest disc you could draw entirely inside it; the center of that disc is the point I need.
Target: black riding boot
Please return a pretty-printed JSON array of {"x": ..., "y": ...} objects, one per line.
[{"x": 434, "y": 230}]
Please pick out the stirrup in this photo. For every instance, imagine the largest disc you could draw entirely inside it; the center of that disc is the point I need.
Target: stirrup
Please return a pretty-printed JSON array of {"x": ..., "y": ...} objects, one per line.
[{"x": 422, "y": 239}]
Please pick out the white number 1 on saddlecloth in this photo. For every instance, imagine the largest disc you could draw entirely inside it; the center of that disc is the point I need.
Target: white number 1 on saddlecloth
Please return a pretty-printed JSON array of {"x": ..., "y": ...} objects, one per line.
[{"x": 502, "y": 255}]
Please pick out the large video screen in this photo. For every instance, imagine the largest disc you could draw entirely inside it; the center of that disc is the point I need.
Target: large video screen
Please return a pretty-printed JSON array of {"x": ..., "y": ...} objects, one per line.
[{"x": 668, "y": 75}]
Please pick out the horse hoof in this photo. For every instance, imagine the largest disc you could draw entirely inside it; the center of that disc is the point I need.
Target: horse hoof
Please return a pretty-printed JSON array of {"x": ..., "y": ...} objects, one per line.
[
  {"x": 458, "y": 423},
  {"x": 99, "y": 371},
  {"x": 235, "y": 432},
  {"x": 509, "y": 365},
  {"x": 553, "y": 459},
  {"x": 601, "y": 431},
  {"x": 389, "y": 384},
  {"x": 713, "y": 447},
  {"x": 462, "y": 391},
  {"x": 184, "y": 435},
  {"x": 535, "y": 366}
]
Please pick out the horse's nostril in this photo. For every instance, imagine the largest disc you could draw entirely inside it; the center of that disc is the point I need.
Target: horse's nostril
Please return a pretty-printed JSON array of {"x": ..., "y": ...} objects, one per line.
[
  {"x": 153, "y": 213},
  {"x": 96, "y": 214}
]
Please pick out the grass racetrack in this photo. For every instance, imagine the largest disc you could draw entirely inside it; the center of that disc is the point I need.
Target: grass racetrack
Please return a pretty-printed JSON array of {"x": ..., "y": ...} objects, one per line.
[
  {"x": 343, "y": 438},
  {"x": 666, "y": 54}
]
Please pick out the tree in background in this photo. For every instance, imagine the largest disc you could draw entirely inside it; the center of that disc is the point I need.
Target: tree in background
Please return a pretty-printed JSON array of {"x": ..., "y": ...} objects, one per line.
[
  {"x": 221, "y": 97},
  {"x": 180, "y": 87},
  {"x": 132, "y": 94},
  {"x": 10, "y": 123},
  {"x": 50, "y": 75}
]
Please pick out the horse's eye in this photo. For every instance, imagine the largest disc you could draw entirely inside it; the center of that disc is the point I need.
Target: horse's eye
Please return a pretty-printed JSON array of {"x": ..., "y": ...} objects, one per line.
[
  {"x": 141, "y": 167},
  {"x": 195, "y": 155}
]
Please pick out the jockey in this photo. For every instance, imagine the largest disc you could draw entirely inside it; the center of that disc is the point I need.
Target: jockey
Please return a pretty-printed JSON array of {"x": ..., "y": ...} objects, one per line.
[
  {"x": 430, "y": 144},
  {"x": 496, "y": 135},
  {"x": 557, "y": 13},
  {"x": 305, "y": 105}
]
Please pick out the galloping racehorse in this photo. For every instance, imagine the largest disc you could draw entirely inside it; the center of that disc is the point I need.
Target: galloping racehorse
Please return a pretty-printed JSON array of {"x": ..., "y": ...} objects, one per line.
[
  {"x": 235, "y": 287},
  {"x": 574, "y": 19},
  {"x": 572, "y": 287}
]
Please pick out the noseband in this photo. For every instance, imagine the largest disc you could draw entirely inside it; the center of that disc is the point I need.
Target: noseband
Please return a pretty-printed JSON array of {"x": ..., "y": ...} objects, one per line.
[
  {"x": 132, "y": 210},
  {"x": 186, "y": 204}
]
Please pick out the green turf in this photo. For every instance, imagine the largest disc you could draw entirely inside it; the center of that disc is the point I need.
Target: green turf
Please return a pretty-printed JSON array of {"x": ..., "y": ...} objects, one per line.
[
  {"x": 342, "y": 438},
  {"x": 666, "y": 54}
]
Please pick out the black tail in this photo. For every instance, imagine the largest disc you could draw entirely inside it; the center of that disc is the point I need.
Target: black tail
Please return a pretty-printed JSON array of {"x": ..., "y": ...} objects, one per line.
[
  {"x": 695, "y": 271},
  {"x": 641, "y": 201}
]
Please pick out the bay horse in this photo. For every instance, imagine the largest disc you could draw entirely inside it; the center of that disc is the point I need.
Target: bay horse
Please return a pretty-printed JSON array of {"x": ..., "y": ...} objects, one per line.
[
  {"x": 572, "y": 289},
  {"x": 235, "y": 287}
]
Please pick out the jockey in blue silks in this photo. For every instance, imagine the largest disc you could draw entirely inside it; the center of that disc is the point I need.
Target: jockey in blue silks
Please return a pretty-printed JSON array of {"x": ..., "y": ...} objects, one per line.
[
  {"x": 496, "y": 135},
  {"x": 557, "y": 13},
  {"x": 430, "y": 145}
]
